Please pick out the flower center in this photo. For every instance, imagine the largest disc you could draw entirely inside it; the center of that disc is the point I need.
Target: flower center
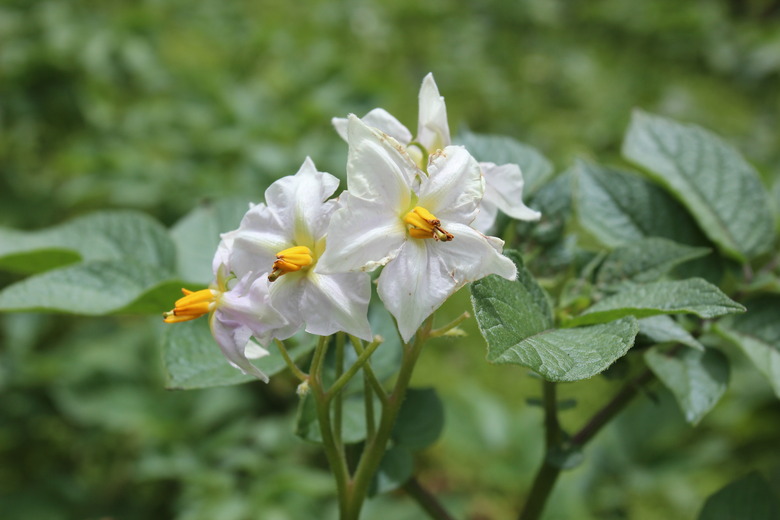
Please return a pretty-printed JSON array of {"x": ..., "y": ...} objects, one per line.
[
  {"x": 423, "y": 224},
  {"x": 192, "y": 305},
  {"x": 290, "y": 260}
]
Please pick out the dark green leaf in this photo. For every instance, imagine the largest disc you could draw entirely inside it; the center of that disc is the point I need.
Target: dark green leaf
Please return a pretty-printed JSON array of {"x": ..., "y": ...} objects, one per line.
[
  {"x": 691, "y": 296},
  {"x": 618, "y": 208},
  {"x": 697, "y": 378},
  {"x": 747, "y": 498},
  {"x": 720, "y": 189},
  {"x": 193, "y": 359},
  {"x": 395, "y": 469},
  {"x": 757, "y": 333},
  {"x": 501, "y": 150},
  {"x": 420, "y": 420},
  {"x": 569, "y": 354},
  {"x": 645, "y": 260}
]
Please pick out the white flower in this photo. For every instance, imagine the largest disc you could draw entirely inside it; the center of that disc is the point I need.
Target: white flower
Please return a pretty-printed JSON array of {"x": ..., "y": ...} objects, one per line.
[
  {"x": 238, "y": 310},
  {"x": 284, "y": 239},
  {"x": 417, "y": 225},
  {"x": 503, "y": 184}
]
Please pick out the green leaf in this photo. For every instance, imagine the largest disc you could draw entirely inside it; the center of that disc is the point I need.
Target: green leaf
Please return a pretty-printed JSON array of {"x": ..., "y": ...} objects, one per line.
[
  {"x": 420, "y": 420},
  {"x": 569, "y": 354},
  {"x": 395, "y": 469},
  {"x": 645, "y": 260},
  {"x": 502, "y": 150},
  {"x": 93, "y": 288},
  {"x": 747, "y": 498},
  {"x": 720, "y": 189},
  {"x": 618, "y": 208},
  {"x": 193, "y": 359},
  {"x": 664, "y": 329},
  {"x": 696, "y": 378},
  {"x": 509, "y": 311},
  {"x": 757, "y": 333},
  {"x": 515, "y": 318},
  {"x": 691, "y": 296},
  {"x": 197, "y": 235},
  {"x": 105, "y": 235}
]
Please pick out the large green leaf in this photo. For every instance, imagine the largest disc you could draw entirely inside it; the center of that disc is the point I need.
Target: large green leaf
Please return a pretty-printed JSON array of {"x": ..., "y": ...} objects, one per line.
[
  {"x": 420, "y": 420},
  {"x": 690, "y": 296},
  {"x": 645, "y": 260},
  {"x": 197, "y": 235},
  {"x": 105, "y": 235},
  {"x": 396, "y": 468},
  {"x": 618, "y": 208},
  {"x": 501, "y": 150},
  {"x": 570, "y": 354},
  {"x": 720, "y": 189},
  {"x": 516, "y": 321},
  {"x": 509, "y": 311},
  {"x": 757, "y": 333},
  {"x": 697, "y": 378},
  {"x": 193, "y": 360},
  {"x": 93, "y": 288},
  {"x": 747, "y": 498}
]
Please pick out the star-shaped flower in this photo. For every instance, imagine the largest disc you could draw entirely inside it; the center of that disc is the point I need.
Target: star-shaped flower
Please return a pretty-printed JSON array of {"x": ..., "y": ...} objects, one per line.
[
  {"x": 283, "y": 239},
  {"x": 503, "y": 184},
  {"x": 413, "y": 223}
]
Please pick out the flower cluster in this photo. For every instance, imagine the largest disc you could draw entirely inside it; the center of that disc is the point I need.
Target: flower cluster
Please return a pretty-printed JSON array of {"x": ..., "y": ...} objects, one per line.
[{"x": 417, "y": 208}]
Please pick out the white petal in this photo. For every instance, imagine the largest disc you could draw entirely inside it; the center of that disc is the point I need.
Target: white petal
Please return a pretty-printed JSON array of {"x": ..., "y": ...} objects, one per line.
[
  {"x": 286, "y": 296},
  {"x": 340, "y": 124},
  {"x": 232, "y": 338},
  {"x": 414, "y": 285},
  {"x": 383, "y": 121},
  {"x": 255, "y": 351},
  {"x": 378, "y": 167},
  {"x": 298, "y": 202},
  {"x": 454, "y": 185},
  {"x": 504, "y": 188},
  {"x": 337, "y": 302},
  {"x": 486, "y": 216},
  {"x": 362, "y": 236},
  {"x": 472, "y": 255},
  {"x": 433, "y": 131}
]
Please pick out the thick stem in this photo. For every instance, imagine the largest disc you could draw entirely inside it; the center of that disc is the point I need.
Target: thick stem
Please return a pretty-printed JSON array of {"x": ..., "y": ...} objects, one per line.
[
  {"x": 426, "y": 500},
  {"x": 338, "y": 405},
  {"x": 374, "y": 449}
]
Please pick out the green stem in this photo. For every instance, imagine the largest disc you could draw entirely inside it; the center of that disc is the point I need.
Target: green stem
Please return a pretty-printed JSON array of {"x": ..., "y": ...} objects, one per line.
[
  {"x": 368, "y": 371},
  {"x": 375, "y": 449},
  {"x": 368, "y": 395},
  {"x": 330, "y": 444},
  {"x": 426, "y": 500},
  {"x": 338, "y": 405},
  {"x": 352, "y": 370},
  {"x": 290, "y": 363},
  {"x": 441, "y": 331}
]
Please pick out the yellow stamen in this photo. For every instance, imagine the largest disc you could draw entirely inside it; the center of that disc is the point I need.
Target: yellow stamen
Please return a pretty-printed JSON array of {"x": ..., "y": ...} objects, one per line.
[
  {"x": 290, "y": 260},
  {"x": 424, "y": 224},
  {"x": 192, "y": 305}
]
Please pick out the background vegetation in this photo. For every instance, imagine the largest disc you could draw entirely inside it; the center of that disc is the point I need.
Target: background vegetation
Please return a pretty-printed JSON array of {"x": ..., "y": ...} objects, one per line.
[{"x": 160, "y": 105}]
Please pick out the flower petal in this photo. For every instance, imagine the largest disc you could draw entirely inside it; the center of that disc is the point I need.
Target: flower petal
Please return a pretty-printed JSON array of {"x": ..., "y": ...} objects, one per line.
[
  {"x": 232, "y": 338},
  {"x": 454, "y": 185},
  {"x": 297, "y": 202},
  {"x": 472, "y": 255},
  {"x": 362, "y": 236},
  {"x": 256, "y": 242},
  {"x": 433, "y": 131},
  {"x": 486, "y": 216},
  {"x": 337, "y": 302},
  {"x": 504, "y": 188},
  {"x": 378, "y": 167},
  {"x": 414, "y": 285}
]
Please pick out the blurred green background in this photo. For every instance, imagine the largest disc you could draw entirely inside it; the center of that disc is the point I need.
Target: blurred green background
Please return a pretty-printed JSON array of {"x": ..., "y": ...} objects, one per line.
[{"x": 159, "y": 105}]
